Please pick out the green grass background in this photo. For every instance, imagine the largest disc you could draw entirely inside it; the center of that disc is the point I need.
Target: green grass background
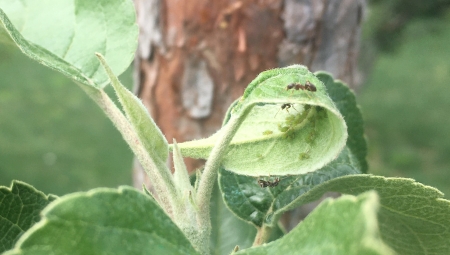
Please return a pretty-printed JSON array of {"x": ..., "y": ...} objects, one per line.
[{"x": 54, "y": 137}]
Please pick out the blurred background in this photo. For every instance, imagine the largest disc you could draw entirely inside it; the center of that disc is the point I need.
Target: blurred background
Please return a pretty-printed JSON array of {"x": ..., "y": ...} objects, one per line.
[{"x": 54, "y": 137}]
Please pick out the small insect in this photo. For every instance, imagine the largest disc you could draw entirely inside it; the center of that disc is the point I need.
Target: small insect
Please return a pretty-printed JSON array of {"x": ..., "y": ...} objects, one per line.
[
  {"x": 285, "y": 107},
  {"x": 283, "y": 128},
  {"x": 310, "y": 137},
  {"x": 264, "y": 184},
  {"x": 292, "y": 85},
  {"x": 303, "y": 156},
  {"x": 267, "y": 132},
  {"x": 310, "y": 87},
  {"x": 270, "y": 184},
  {"x": 297, "y": 86}
]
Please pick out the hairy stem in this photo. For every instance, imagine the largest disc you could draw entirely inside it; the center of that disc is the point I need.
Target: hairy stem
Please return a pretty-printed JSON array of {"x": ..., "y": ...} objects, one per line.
[
  {"x": 262, "y": 235},
  {"x": 162, "y": 180},
  {"x": 209, "y": 176}
]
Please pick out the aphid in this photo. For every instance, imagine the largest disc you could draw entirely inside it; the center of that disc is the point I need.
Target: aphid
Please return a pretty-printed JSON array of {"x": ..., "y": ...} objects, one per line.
[
  {"x": 319, "y": 109},
  {"x": 321, "y": 112},
  {"x": 287, "y": 131},
  {"x": 311, "y": 137},
  {"x": 270, "y": 184},
  {"x": 283, "y": 128},
  {"x": 288, "y": 135},
  {"x": 303, "y": 156},
  {"x": 267, "y": 132}
]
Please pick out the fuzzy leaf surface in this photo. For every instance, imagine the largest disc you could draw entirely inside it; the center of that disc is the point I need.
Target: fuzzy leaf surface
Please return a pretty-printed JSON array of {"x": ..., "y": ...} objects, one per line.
[
  {"x": 104, "y": 221},
  {"x": 347, "y": 225},
  {"x": 344, "y": 99},
  {"x": 20, "y": 206},
  {"x": 65, "y": 34},
  {"x": 149, "y": 134},
  {"x": 304, "y": 136},
  {"x": 413, "y": 218},
  {"x": 260, "y": 205}
]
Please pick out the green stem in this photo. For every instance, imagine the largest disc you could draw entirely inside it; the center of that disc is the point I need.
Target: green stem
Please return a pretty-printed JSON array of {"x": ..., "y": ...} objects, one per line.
[
  {"x": 162, "y": 181},
  {"x": 262, "y": 235},
  {"x": 159, "y": 172},
  {"x": 209, "y": 176}
]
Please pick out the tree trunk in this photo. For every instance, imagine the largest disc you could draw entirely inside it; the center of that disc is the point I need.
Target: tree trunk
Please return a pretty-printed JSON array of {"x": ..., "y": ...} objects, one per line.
[{"x": 196, "y": 57}]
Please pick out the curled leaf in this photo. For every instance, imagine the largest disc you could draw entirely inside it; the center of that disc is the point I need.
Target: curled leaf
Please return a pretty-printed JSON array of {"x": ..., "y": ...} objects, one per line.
[{"x": 293, "y": 127}]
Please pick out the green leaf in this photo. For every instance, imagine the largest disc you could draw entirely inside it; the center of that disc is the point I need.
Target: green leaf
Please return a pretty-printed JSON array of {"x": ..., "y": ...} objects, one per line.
[
  {"x": 257, "y": 205},
  {"x": 149, "y": 146},
  {"x": 286, "y": 131},
  {"x": 104, "y": 221},
  {"x": 20, "y": 207},
  {"x": 65, "y": 34},
  {"x": 227, "y": 230},
  {"x": 345, "y": 101},
  {"x": 413, "y": 218},
  {"x": 149, "y": 134},
  {"x": 181, "y": 175},
  {"x": 347, "y": 225}
]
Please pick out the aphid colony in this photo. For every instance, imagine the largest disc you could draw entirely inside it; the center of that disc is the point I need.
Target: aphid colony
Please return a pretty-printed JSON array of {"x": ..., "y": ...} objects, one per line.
[{"x": 291, "y": 122}]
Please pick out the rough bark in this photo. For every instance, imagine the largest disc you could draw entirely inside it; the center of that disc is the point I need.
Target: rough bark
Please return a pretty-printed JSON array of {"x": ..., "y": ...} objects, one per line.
[{"x": 196, "y": 57}]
